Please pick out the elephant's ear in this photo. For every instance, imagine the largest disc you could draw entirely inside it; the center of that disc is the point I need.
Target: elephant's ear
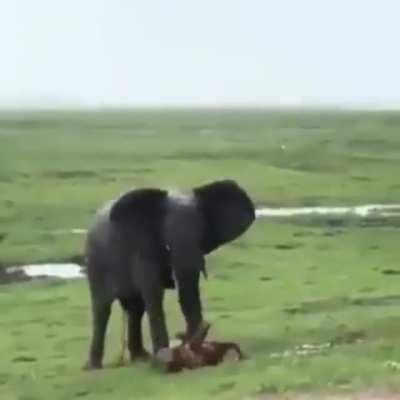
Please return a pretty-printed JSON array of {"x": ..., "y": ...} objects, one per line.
[
  {"x": 228, "y": 212},
  {"x": 144, "y": 206}
]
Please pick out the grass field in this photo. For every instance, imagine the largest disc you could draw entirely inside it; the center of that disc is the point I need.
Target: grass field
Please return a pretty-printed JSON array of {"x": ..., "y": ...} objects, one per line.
[{"x": 283, "y": 285}]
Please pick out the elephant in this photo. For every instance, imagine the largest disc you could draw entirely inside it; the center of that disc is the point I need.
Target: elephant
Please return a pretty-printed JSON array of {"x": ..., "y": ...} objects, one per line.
[{"x": 148, "y": 240}]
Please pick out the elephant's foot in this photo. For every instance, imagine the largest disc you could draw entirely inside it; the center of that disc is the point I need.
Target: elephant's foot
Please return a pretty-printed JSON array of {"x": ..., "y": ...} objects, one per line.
[
  {"x": 121, "y": 362},
  {"x": 92, "y": 366},
  {"x": 137, "y": 356},
  {"x": 198, "y": 335},
  {"x": 164, "y": 360},
  {"x": 141, "y": 355}
]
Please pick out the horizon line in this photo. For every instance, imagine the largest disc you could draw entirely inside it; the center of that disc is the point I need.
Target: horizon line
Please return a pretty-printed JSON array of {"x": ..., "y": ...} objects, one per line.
[{"x": 205, "y": 106}]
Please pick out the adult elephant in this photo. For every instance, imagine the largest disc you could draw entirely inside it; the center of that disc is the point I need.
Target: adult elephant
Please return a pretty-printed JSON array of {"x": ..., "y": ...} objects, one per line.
[{"x": 146, "y": 241}]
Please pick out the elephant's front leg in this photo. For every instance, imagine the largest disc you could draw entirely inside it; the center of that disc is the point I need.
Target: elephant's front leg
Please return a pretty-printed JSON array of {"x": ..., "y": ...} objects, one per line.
[
  {"x": 187, "y": 262},
  {"x": 153, "y": 298},
  {"x": 189, "y": 299}
]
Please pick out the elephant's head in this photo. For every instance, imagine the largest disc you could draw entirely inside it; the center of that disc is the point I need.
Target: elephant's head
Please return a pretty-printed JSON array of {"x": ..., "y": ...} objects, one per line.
[{"x": 228, "y": 212}]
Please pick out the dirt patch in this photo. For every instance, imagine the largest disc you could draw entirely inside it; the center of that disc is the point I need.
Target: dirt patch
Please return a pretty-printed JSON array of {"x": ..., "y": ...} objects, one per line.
[
  {"x": 303, "y": 350},
  {"x": 349, "y": 337},
  {"x": 307, "y": 350}
]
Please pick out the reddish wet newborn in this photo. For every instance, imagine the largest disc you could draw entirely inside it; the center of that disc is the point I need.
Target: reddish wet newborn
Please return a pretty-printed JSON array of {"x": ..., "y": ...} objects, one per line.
[{"x": 196, "y": 352}]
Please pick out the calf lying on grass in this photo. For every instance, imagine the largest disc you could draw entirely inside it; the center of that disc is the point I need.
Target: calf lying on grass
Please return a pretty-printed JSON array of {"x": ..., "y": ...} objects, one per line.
[{"x": 196, "y": 352}]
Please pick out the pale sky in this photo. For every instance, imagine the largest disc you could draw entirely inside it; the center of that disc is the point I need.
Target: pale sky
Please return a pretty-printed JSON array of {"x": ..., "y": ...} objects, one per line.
[{"x": 96, "y": 53}]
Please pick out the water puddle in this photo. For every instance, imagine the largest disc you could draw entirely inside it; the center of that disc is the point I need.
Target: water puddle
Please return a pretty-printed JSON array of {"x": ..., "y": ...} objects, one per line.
[
  {"x": 363, "y": 211},
  {"x": 41, "y": 271}
]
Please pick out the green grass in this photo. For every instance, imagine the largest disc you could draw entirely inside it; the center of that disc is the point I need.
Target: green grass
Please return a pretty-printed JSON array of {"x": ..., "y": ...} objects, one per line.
[{"x": 57, "y": 168}]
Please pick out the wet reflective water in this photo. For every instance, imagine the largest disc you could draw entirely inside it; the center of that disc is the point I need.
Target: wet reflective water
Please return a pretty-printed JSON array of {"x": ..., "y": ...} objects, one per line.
[
  {"x": 28, "y": 272},
  {"x": 367, "y": 210}
]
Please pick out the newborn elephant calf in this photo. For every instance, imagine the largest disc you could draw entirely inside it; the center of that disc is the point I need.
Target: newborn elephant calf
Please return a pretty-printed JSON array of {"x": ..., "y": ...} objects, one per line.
[
  {"x": 196, "y": 352},
  {"x": 148, "y": 240}
]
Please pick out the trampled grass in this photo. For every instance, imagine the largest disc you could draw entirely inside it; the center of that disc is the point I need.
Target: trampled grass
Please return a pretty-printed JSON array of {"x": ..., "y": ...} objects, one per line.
[{"x": 280, "y": 286}]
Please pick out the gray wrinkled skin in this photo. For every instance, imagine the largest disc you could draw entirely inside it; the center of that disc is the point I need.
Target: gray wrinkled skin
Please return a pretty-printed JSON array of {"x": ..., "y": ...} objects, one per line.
[{"x": 146, "y": 241}]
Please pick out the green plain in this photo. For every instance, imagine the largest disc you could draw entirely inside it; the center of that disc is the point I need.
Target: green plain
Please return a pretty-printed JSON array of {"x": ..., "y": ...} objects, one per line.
[{"x": 284, "y": 284}]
